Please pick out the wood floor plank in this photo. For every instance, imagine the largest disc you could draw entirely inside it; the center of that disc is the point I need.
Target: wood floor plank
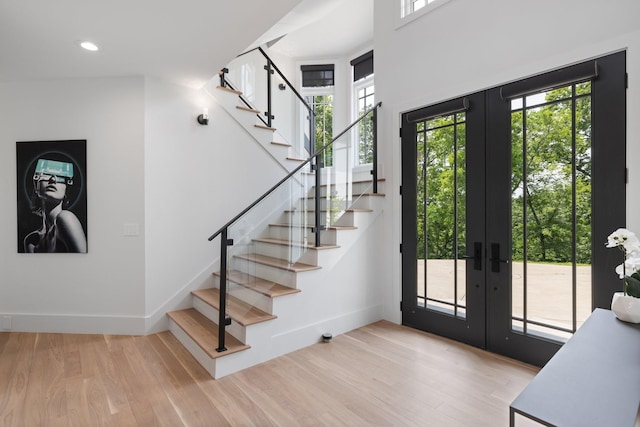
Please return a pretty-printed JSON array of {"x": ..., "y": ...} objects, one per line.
[
  {"x": 15, "y": 367},
  {"x": 117, "y": 404},
  {"x": 382, "y": 374},
  {"x": 139, "y": 387},
  {"x": 45, "y": 399},
  {"x": 223, "y": 393},
  {"x": 177, "y": 383}
]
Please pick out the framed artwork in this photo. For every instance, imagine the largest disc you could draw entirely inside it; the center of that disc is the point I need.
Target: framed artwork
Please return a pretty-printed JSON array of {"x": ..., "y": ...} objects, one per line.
[{"x": 52, "y": 196}]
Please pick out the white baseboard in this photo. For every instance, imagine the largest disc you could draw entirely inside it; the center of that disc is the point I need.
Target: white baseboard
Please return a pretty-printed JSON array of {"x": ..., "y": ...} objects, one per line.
[
  {"x": 298, "y": 338},
  {"x": 72, "y": 324}
]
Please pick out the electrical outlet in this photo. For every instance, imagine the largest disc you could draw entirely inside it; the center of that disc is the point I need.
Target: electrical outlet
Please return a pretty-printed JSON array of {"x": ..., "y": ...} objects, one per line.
[
  {"x": 6, "y": 323},
  {"x": 131, "y": 229}
]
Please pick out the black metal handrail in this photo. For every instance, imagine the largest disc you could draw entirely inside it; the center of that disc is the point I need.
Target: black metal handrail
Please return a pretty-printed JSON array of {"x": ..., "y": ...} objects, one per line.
[
  {"x": 275, "y": 67},
  {"x": 270, "y": 67},
  {"x": 314, "y": 161},
  {"x": 293, "y": 172}
]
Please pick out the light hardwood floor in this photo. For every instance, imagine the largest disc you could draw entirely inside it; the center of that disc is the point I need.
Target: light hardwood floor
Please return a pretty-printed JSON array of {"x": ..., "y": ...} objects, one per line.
[{"x": 381, "y": 374}]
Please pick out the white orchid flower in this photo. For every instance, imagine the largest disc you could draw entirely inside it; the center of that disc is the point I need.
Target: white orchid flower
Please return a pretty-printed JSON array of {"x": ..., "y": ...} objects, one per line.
[
  {"x": 631, "y": 265},
  {"x": 625, "y": 239}
]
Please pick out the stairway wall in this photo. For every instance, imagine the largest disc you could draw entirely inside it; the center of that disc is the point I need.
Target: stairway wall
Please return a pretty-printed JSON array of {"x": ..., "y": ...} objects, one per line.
[
  {"x": 197, "y": 178},
  {"x": 102, "y": 290}
]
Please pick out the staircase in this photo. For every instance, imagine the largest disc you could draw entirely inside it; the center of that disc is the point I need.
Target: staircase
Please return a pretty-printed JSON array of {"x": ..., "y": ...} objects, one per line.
[
  {"x": 282, "y": 292},
  {"x": 263, "y": 284}
]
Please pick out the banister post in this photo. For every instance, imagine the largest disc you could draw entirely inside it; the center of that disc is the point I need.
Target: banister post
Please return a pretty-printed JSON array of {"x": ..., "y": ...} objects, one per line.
[
  {"x": 319, "y": 226},
  {"x": 312, "y": 132},
  {"x": 223, "y": 80},
  {"x": 222, "y": 314},
  {"x": 269, "y": 112},
  {"x": 374, "y": 171}
]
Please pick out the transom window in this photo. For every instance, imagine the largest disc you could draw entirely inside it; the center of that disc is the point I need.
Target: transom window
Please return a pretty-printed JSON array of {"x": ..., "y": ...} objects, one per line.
[{"x": 410, "y": 9}]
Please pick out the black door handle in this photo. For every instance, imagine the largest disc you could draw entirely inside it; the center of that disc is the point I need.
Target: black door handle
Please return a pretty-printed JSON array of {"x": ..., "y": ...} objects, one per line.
[
  {"x": 495, "y": 258},
  {"x": 476, "y": 257}
]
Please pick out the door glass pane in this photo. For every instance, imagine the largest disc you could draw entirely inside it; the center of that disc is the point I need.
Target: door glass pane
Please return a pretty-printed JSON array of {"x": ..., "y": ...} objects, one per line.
[
  {"x": 551, "y": 211},
  {"x": 322, "y": 106},
  {"x": 441, "y": 214}
]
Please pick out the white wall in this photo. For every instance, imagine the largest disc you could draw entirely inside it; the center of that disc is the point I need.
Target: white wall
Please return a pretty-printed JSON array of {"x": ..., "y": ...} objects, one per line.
[
  {"x": 102, "y": 290},
  {"x": 149, "y": 164},
  {"x": 197, "y": 178},
  {"x": 465, "y": 46}
]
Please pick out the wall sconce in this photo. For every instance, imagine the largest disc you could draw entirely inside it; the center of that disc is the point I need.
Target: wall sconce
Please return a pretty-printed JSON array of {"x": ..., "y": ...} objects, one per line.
[{"x": 203, "y": 118}]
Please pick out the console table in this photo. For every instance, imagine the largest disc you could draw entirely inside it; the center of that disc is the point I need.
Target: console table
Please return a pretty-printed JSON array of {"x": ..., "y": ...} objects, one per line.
[{"x": 593, "y": 380}]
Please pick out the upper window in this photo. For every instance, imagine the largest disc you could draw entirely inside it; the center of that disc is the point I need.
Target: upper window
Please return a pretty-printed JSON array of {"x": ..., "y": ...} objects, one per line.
[
  {"x": 363, "y": 96},
  {"x": 410, "y": 6},
  {"x": 411, "y": 9},
  {"x": 317, "y": 75},
  {"x": 362, "y": 66}
]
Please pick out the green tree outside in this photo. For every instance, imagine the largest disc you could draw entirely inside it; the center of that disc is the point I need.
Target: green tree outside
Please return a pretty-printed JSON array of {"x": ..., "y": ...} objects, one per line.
[{"x": 548, "y": 178}]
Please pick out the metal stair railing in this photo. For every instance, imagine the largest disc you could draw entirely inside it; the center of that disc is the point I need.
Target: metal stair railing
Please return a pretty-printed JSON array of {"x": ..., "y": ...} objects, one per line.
[
  {"x": 296, "y": 188},
  {"x": 260, "y": 94}
]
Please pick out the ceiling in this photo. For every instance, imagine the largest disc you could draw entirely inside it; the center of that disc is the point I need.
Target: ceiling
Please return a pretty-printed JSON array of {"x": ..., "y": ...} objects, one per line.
[
  {"x": 323, "y": 29},
  {"x": 184, "y": 42}
]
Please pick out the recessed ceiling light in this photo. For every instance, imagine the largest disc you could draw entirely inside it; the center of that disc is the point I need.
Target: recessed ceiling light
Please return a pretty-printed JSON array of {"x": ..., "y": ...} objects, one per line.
[{"x": 88, "y": 46}]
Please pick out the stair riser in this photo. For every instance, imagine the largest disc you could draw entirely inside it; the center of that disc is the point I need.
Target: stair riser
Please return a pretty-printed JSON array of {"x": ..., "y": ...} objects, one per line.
[
  {"x": 327, "y": 237},
  {"x": 310, "y": 217},
  {"x": 300, "y": 216},
  {"x": 249, "y": 296},
  {"x": 290, "y": 253},
  {"x": 235, "y": 329},
  {"x": 286, "y": 278},
  {"x": 336, "y": 204},
  {"x": 203, "y": 358},
  {"x": 348, "y": 219},
  {"x": 362, "y": 202},
  {"x": 342, "y": 188}
]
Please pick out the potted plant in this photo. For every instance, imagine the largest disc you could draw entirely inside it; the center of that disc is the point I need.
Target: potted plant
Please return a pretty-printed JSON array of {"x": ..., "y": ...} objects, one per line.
[{"x": 626, "y": 304}]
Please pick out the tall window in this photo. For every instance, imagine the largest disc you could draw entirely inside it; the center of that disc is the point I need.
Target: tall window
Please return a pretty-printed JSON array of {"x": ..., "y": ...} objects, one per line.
[
  {"x": 363, "y": 95},
  {"x": 317, "y": 88},
  {"x": 322, "y": 106}
]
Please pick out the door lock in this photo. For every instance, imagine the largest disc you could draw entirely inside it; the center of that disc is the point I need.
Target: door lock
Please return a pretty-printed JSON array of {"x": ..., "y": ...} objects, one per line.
[
  {"x": 495, "y": 258},
  {"x": 476, "y": 257}
]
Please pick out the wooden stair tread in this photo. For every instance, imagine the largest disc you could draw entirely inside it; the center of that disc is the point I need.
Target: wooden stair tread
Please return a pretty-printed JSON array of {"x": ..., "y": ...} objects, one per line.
[
  {"x": 249, "y": 109},
  {"x": 282, "y": 242},
  {"x": 353, "y": 196},
  {"x": 204, "y": 332},
  {"x": 282, "y": 264},
  {"x": 265, "y": 127},
  {"x": 226, "y": 89},
  {"x": 243, "y": 313},
  {"x": 257, "y": 284},
  {"x": 283, "y": 144},
  {"x": 326, "y": 210},
  {"x": 330, "y": 227},
  {"x": 362, "y": 181}
]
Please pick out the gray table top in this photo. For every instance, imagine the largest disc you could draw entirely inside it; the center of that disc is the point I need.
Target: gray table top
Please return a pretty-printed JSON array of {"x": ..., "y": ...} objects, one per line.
[{"x": 593, "y": 380}]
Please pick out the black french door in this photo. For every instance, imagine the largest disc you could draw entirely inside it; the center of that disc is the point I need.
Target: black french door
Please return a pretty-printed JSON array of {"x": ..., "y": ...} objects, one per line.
[
  {"x": 506, "y": 208},
  {"x": 443, "y": 189}
]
